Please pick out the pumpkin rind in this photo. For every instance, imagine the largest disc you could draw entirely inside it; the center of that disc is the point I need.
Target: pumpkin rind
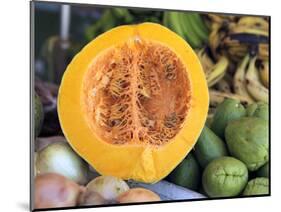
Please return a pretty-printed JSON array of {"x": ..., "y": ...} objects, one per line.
[{"x": 144, "y": 163}]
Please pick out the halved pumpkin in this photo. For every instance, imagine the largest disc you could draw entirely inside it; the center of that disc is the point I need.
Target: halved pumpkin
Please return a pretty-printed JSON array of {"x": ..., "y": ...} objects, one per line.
[{"x": 133, "y": 102}]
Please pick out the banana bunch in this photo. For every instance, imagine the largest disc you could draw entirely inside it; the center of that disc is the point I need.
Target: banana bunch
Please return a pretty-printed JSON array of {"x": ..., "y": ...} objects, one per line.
[
  {"x": 214, "y": 71},
  {"x": 119, "y": 16},
  {"x": 251, "y": 81},
  {"x": 189, "y": 26},
  {"x": 236, "y": 36}
]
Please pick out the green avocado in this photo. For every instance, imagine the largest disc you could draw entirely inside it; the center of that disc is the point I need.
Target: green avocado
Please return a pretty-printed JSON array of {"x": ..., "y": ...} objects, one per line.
[{"x": 187, "y": 173}]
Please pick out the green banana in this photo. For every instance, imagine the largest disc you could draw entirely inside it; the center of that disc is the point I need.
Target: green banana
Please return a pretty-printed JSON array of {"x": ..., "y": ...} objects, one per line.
[
  {"x": 254, "y": 86},
  {"x": 188, "y": 30},
  {"x": 174, "y": 23},
  {"x": 198, "y": 27},
  {"x": 166, "y": 19},
  {"x": 239, "y": 79}
]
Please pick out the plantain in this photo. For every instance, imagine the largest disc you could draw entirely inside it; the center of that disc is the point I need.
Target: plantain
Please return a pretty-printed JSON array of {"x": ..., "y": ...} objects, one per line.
[
  {"x": 263, "y": 69},
  {"x": 206, "y": 62},
  {"x": 248, "y": 30},
  {"x": 239, "y": 80},
  {"x": 254, "y": 22},
  {"x": 217, "y": 97},
  {"x": 218, "y": 71},
  {"x": 223, "y": 86},
  {"x": 254, "y": 86}
]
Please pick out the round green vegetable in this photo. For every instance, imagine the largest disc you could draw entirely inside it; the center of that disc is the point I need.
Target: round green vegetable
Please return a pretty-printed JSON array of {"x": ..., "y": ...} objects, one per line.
[
  {"x": 259, "y": 109},
  {"x": 247, "y": 140},
  {"x": 38, "y": 114},
  {"x": 208, "y": 147},
  {"x": 257, "y": 186},
  {"x": 229, "y": 109},
  {"x": 225, "y": 177},
  {"x": 187, "y": 173},
  {"x": 263, "y": 171}
]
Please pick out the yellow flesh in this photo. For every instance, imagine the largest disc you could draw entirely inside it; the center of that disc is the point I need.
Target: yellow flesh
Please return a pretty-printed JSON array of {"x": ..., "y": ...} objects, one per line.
[
  {"x": 139, "y": 162},
  {"x": 136, "y": 93}
]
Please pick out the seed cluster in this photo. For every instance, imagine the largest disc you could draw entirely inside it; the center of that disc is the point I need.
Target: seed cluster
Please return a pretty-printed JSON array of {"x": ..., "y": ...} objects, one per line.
[{"x": 137, "y": 93}]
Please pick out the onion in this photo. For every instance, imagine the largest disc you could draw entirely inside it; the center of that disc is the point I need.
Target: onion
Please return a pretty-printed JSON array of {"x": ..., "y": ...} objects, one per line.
[
  {"x": 92, "y": 198},
  {"x": 60, "y": 158},
  {"x": 54, "y": 190},
  {"x": 138, "y": 195},
  {"x": 107, "y": 186},
  {"x": 42, "y": 142}
]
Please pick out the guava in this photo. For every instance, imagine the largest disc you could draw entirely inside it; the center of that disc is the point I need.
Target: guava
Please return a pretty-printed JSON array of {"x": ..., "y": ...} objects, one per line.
[
  {"x": 229, "y": 109},
  {"x": 247, "y": 140},
  {"x": 225, "y": 177},
  {"x": 257, "y": 186}
]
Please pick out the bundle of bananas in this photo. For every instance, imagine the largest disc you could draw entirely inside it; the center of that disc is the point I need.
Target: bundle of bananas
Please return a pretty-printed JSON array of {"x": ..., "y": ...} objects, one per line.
[
  {"x": 236, "y": 59},
  {"x": 119, "y": 16},
  {"x": 189, "y": 26},
  {"x": 236, "y": 36}
]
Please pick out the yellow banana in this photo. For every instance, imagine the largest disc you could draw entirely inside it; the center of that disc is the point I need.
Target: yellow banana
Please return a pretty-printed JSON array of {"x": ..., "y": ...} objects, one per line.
[
  {"x": 264, "y": 73},
  {"x": 205, "y": 60},
  {"x": 218, "y": 71},
  {"x": 254, "y": 86},
  {"x": 223, "y": 86},
  {"x": 254, "y": 22},
  {"x": 217, "y": 97},
  {"x": 249, "y": 30},
  {"x": 239, "y": 79},
  {"x": 263, "y": 51},
  {"x": 215, "y": 38}
]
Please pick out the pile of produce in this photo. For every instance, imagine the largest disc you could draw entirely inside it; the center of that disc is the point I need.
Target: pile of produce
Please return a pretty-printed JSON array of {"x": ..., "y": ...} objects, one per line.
[{"x": 222, "y": 152}]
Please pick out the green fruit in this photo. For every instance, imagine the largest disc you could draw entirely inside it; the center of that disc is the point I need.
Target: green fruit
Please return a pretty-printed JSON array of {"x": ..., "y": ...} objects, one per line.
[
  {"x": 228, "y": 110},
  {"x": 257, "y": 186},
  {"x": 251, "y": 109},
  {"x": 259, "y": 110},
  {"x": 209, "y": 147},
  {"x": 263, "y": 171},
  {"x": 187, "y": 173},
  {"x": 247, "y": 140},
  {"x": 38, "y": 114},
  {"x": 225, "y": 177}
]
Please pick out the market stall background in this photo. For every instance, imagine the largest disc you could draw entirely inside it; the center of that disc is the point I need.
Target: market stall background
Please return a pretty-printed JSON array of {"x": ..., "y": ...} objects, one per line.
[{"x": 225, "y": 44}]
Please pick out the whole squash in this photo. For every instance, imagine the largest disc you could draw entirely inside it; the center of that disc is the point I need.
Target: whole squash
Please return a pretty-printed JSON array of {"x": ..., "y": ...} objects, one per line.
[{"x": 133, "y": 102}]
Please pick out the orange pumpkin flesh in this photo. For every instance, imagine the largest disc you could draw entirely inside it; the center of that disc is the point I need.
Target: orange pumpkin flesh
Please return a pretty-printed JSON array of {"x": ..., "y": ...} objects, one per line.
[{"x": 133, "y": 102}]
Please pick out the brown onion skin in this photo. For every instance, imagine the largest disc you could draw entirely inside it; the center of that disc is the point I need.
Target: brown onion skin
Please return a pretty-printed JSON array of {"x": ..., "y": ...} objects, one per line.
[
  {"x": 137, "y": 195},
  {"x": 54, "y": 190}
]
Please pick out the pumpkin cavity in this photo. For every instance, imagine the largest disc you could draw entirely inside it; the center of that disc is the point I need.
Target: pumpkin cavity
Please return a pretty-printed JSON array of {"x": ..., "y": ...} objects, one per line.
[{"x": 137, "y": 92}]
